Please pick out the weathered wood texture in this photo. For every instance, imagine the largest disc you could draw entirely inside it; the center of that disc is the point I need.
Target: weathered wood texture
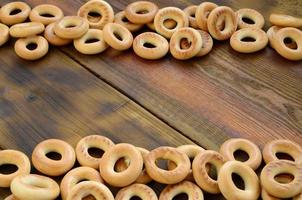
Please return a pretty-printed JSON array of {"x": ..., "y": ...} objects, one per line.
[
  {"x": 56, "y": 98},
  {"x": 225, "y": 94}
]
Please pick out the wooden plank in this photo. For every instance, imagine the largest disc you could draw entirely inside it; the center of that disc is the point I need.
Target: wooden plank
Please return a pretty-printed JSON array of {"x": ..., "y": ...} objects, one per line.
[
  {"x": 225, "y": 94},
  {"x": 56, "y": 98}
]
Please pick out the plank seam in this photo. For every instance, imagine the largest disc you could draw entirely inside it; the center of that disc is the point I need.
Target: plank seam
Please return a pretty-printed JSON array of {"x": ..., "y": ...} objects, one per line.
[{"x": 132, "y": 99}]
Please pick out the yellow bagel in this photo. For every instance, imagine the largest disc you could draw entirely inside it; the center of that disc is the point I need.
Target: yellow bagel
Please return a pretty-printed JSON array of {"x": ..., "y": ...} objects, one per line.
[
  {"x": 100, "y": 7},
  {"x": 190, "y": 11},
  {"x": 23, "y": 51},
  {"x": 141, "y": 12},
  {"x": 202, "y": 14},
  {"x": 26, "y": 29},
  {"x": 251, "y": 14},
  {"x": 8, "y": 18},
  {"x": 71, "y": 27},
  {"x": 136, "y": 190},
  {"x": 52, "y": 38},
  {"x": 117, "y": 36},
  {"x": 285, "y": 20},
  {"x": 46, "y": 14}
]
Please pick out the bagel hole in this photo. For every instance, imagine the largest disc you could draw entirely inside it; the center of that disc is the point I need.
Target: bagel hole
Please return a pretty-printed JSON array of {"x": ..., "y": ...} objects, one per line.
[
  {"x": 241, "y": 155},
  {"x": 135, "y": 198},
  {"x": 248, "y": 20},
  {"x": 92, "y": 40},
  {"x": 48, "y": 15},
  {"x": 162, "y": 164},
  {"x": 238, "y": 181},
  {"x": 170, "y": 24},
  {"x": 284, "y": 178},
  {"x": 284, "y": 156},
  {"x": 124, "y": 19},
  {"x": 185, "y": 43},
  {"x": 121, "y": 164},
  {"x": 248, "y": 39},
  {"x": 181, "y": 196},
  {"x": 8, "y": 169},
  {"x": 89, "y": 197},
  {"x": 142, "y": 12},
  {"x": 38, "y": 184},
  {"x": 70, "y": 26},
  {"x": 221, "y": 26},
  {"x": 32, "y": 46},
  {"x": 15, "y": 11},
  {"x": 290, "y": 43},
  {"x": 54, "y": 156},
  {"x": 82, "y": 180},
  {"x": 95, "y": 152},
  {"x": 149, "y": 45},
  {"x": 192, "y": 15},
  {"x": 118, "y": 36},
  {"x": 94, "y": 16},
  {"x": 206, "y": 14},
  {"x": 212, "y": 171}
]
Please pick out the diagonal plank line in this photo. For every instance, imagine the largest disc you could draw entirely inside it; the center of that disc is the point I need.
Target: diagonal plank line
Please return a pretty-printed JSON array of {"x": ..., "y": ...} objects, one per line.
[{"x": 129, "y": 97}]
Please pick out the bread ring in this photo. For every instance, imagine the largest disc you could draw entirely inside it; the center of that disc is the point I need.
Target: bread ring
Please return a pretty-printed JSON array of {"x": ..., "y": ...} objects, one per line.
[
  {"x": 52, "y": 38},
  {"x": 218, "y": 16},
  {"x": 159, "y": 49},
  {"x": 190, "y": 11},
  {"x": 91, "y": 48},
  {"x": 202, "y": 14},
  {"x": 141, "y": 12},
  {"x": 71, "y": 27},
  {"x": 136, "y": 190},
  {"x": 285, "y": 20},
  {"x": 169, "y": 24},
  {"x": 17, "y": 158},
  {"x": 229, "y": 147},
  {"x": 253, "y": 15},
  {"x": 282, "y": 146},
  {"x": 200, "y": 171},
  {"x": 191, "y": 151},
  {"x": 237, "y": 40},
  {"x": 4, "y": 34},
  {"x": 117, "y": 36},
  {"x": 173, "y": 13},
  {"x": 46, "y": 14},
  {"x": 92, "y": 141},
  {"x": 31, "y": 186},
  {"x": 123, "y": 164},
  {"x": 100, "y": 7},
  {"x": 11, "y": 197},
  {"x": 187, "y": 187},
  {"x": 126, "y": 177},
  {"x": 26, "y": 29},
  {"x": 230, "y": 190},
  {"x": 49, "y": 166},
  {"x": 98, "y": 190},
  {"x": 194, "y": 39},
  {"x": 207, "y": 44},
  {"x": 163, "y": 176},
  {"x": 22, "y": 47},
  {"x": 120, "y": 18},
  {"x": 8, "y": 16},
  {"x": 285, "y": 51},
  {"x": 73, "y": 177},
  {"x": 282, "y": 190}
]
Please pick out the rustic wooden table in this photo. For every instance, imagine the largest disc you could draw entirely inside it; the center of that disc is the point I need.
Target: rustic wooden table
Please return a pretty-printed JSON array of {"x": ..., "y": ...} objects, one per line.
[{"x": 205, "y": 101}]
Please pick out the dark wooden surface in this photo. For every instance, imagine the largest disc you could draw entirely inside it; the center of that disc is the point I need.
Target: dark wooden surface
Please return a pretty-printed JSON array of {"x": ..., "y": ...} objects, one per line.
[{"x": 150, "y": 103}]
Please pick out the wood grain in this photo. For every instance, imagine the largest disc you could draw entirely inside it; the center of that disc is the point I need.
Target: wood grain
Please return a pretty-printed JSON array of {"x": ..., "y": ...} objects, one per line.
[
  {"x": 225, "y": 94},
  {"x": 56, "y": 98}
]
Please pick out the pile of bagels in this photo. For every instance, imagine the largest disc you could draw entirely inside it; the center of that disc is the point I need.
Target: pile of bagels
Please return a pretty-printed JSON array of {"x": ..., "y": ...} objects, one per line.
[
  {"x": 131, "y": 168},
  {"x": 184, "y": 33}
]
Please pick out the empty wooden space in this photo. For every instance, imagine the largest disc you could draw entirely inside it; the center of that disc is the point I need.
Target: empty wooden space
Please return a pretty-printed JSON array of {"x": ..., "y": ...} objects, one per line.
[{"x": 205, "y": 100}]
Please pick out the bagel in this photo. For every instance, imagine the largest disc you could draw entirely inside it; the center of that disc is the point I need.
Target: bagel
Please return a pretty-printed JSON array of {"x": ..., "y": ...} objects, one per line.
[
  {"x": 136, "y": 190},
  {"x": 202, "y": 14},
  {"x": 52, "y": 38},
  {"x": 23, "y": 51},
  {"x": 8, "y": 16},
  {"x": 285, "y": 20},
  {"x": 46, "y": 14},
  {"x": 256, "y": 19},
  {"x": 100, "y": 7},
  {"x": 81, "y": 44},
  {"x": 71, "y": 27},
  {"x": 190, "y": 11},
  {"x": 117, "y": 36},
  {"x": 4, "y": 34},
  {"x": 49, "y": 166},
  {"x": 141, "y": 12},
  {"x": 120, "y": 18},
  {"x": 26, "y": 29},
  {"x": 219, "y": 16}
]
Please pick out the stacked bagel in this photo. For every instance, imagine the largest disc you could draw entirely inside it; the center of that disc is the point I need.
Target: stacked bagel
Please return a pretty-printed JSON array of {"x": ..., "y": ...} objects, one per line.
[
  {"x": 131, "y": 168},
  {"x": 184, "y": 33}
]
